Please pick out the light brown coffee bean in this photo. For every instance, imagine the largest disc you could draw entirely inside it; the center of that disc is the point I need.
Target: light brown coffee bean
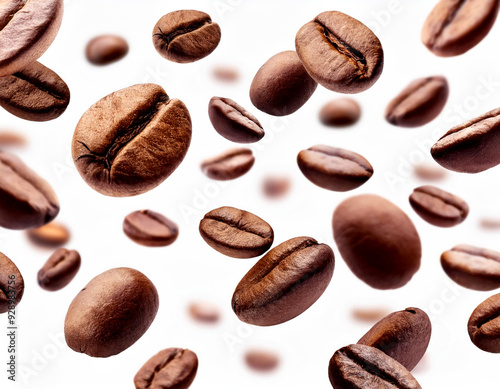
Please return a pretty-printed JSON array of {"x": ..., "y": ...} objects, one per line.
[
  {"x": 430, "y": 172},
  {"x": 106, "y": 49},
  {"x": 52, "y": 234},
  {"x": 229, "y": 165},
  {"x": 490, "y": 223},
  {"x": 12, "y": 139},
  {"x": 150, "y": 228},
  {"x": 262, "y": 360},
  {"x": 276, "y": 186},
  {"x": 340, "y": 112},
  {"x": 226, "y": 73},
  {"x": 59, "y": 270},
  {"x": 484, "y": 325},
  {"x": 204, "y": 312},
  {"x": 11, "y": 284},
  {"x": 369, "y": 314}
]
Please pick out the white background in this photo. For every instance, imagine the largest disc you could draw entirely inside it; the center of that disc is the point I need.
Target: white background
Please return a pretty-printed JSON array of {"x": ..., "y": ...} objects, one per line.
[{"x": 252, "y": 31}]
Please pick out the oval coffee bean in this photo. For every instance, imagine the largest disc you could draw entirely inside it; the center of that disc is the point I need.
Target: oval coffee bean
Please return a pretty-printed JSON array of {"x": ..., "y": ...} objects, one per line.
[
  {"x": 173, "y": 368},
  {"x": 59, "y": 270},
  {"x": 484, "y": 325},
  {"x": 229, "y": 165},
  {"x": 369, "y": 314},
  {"x": 186, "y": 36},
  {"x": 276, "y": 186},
  {"x": 430, "y": 172},
  {"x": 340, "y": 52},
  {"x": 284, "y": 283},
  {"x": 236, "y": 233},
  {"x": 419, "y": 103},
  {"x": 130, "y": 141},
  {"x": 27, "y": 29},
  {"x": 340, "y": 113},
  {"x": 12, "y": 139},
  {"x": 403, "y": 335},
  {"x": 456, "y": 26},
  {"x": 52, "y": 234},
  {"x": 282, "y": 85},
  {"x": 262, "y": 360},
  {"x": 234, "y": 122},
  {"x": 11, "y": 284},
  {"x": 150, "y": 228},
  {"x": 334, "y": 169},
  {"x": 34, "y": 93},
  {"x": 377, "y": 240},
  {"x": 363, "y": 367},
  {"x": 26, "y": 200},
  {"x": 226, "y": 73},
  {"x": 437, "y": 207},
  {"x": 106, "y": 49},
  {"x": 204, "y": 312}
]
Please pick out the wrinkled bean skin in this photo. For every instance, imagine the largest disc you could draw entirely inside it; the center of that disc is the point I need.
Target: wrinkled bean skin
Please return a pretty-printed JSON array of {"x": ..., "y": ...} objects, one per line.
[
  {"x": 11, "y": 283},
  {"x": 484, "y": 325}
]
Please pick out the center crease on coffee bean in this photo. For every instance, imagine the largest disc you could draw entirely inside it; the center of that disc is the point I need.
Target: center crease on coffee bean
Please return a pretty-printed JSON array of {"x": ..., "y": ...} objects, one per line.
[
  {"x": 237, "y": 226},
  {"x": 168, "y": 38},
  {"x": 162, "y": 365},
  {"x": 40, "y": 86},
  {"x": 369, "y": 367},
  {"x": 451, "y": 16},
  {"x": 14, "y": 13},
  {"x": 494, "y": 315},
  {"x": 471, "y": 127}
]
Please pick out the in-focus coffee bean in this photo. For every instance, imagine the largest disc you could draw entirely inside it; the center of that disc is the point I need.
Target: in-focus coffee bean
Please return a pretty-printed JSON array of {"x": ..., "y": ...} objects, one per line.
[
  {"x": 11, "y": 284},
  {"x": 236, "y": 233},
  {"x": 130, "y": 141},
  {"x": 284, "y": 283},
  {"x": 429, "y": 172},
  {"x": 106, "y": 49},
  {"x": 276, "y": 186},
  {"x": 59, "y": 270},
  {"x": 229, "y": 165},
  {"x": 340, "y": 112},
  {"x": 484, "y": 325},
  {"x": 150, "y": 228},
  {"x": 204, "y": 312},
  {"x": 262, "y": 360},
  {"x": 52, "y": 234}
]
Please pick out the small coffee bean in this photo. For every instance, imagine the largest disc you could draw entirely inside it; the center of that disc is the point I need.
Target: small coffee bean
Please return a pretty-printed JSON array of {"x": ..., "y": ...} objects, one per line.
[
  {"x": 490, "y": 222},
  {"x": 236, "y": 233},
  {"x": 369, "y": 314},
  {"x": 52, "y": 234},
  {"x": 284, "y": 283},
  {"x": 484, "y": 325},
  {"x": 226, "y": 73},
  {"x": 11, "y": 284},
  {"x": 334, "y": 169},
  {"x": 204, "y": 312},
  {"x": 340, "y": 112},
  {"x": 12, "y": 139},
  {"x": 262, "y": 360},
  {"x": 229, "y": 165},
  {"x": 59, "y": 270},
  {"x": 106, "y": 49},
  {"x": 276, "y": 186},
  {"x": 430, "y": 172},
  {"x": 150, "y": 228}
]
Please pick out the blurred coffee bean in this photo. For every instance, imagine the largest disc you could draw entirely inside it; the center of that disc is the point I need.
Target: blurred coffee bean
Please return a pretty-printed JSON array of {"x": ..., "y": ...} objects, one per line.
[
  {"x": 12, "y": 139},
  {"x": 369, "y": 314},
  {"x": 226, "y": 73},
  {"x": 52, "y": 234},
  {"x": 229, "y": 165},
  {"x": 490, "y": 223},
  {"x": 430, "y": 172},
  {"x": 59, "y": 269},
  {"x": 340, "y": 112},
  {"x": 106, "y": 49},
  {"x": 204, "y": 312},
  {"x": 261, "y": 360},
  {"x": 276, "y": 186}
]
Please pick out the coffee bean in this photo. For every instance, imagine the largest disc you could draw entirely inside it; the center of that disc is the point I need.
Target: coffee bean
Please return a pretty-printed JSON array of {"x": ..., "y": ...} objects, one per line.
[
  {"x": 334, "y": 169},
  {"x": 363, "y": 367},
  {"x": 130, "y": 141},
  {"x": 186, "y": 36},
  {"x": 282, "y": 85},
  {"x": 234, "y": 122},
  {"x": 490, "y": 222},
  {"x": 173, "y": 368},
  {"x": 484, "y": 325},
  {"x": 403, "y": 335},
  {"x": 204, "y": 312},
  {"x": 11, "y": 284},
  {"x": 226, "y": 73},
  {"x": 340, "y": 112},
  {"x": 26, "y": 200},
  {"x": 276, "y": 186},
  {"x": 262, "y": 360},
  {"x": 52, "y": 234},
  {"x": 472, "y": 267},
  {"x": 430, "y": 172},
  {"x": 456, "y": 26},
  {"x": 377, "y": 240},
  {"x": 471, "y": 147},
  {"x": 437, "y": 207},
  {"x": 59, "y": 270},
  {"x": 236, "y": 233},
  {"x": 111, "y": 313},
  {"x": 106, "y": 49},
  {"x": 12, "y": 139},
  {"x": 419, "y": 103},
  {"x": 340, "y": 52},
  {"x": 150, "y": 228},
  {"x": 27, "y": 29},
  {"x": 284, "y": 283},
  {"x": 369, "y": 314},
  {"x": 228, "y": 165}
]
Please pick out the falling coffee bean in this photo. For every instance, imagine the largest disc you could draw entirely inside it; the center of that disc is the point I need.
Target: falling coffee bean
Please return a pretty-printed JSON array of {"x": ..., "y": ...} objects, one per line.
[
  {"x": 261, "y": 360},
  {"x": 276, "y": 186},
  {"x": 430, "y": 172},
  {"x": 106, "y": 49},
  {"x": 11, "y": 284},
  {"x": 59, "y": 270},
  {"x": 484, "y": 325},
  {"x": 150, "y": 228},
  {"x": 52, "y": 234},
  {"x": 369, "y": 314},
  {"x": 12, "y": 139},
  {"x": 229, "y": 165},
  {"x": 203, "y": 312},
  {"x": 226, "y": 73},
  {"x": 341, "y": 112}
]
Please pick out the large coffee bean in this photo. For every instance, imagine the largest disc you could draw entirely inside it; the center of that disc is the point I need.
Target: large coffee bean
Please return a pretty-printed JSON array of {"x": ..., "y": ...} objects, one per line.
[
  {"x": 150, "y": 228},
  {"x": 11, "y": 284},
  {"x": 229, "y": 165},
  {"x": 484, "y": 325},
  {"x": 340, "y": 112},
  {"x": 106, "y": 49},
  {"x": 59, "y": 270}
]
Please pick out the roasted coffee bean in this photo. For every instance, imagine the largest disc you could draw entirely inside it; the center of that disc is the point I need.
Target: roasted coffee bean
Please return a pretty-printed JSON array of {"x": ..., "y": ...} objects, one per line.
[
  {"x": 484, "y": 325},
  {"x": 490, "y": 222},
  {"x": 226, "y": 73},
  {"x": 130, "y": 141},
  {"x": 228, "y": 165},
  {"x": 106, "y": 49},
  {"x": 419, "y": 103},
  {"x": 430, "y": 172},
  {"x": 186, "y": 36},
  {"x": 11, "y": 284},
  {"x": 150, "y": 228},
  {"x": 234, "y": 122},
  {"x": 403, "y": 335},
  {"x": 236, "y": 233},
  {"x": 377, "y": 240},
  {"x": 52, "y": 234},
  {"x": 334, "y": 169},
  {"x": 12, "y": 139},
  {"x": 284, "y": 283},
  {"x": 456, "y": 26},
  {"x": 282, "y": 85},
  {"x": 262, "y": 360},
  {"x": 369, "y": 314},
  {"x": 471, "y": 147},
  {"x": 340, "y": 112},
  {"x": 173, "y": 368},
  {"x": 363, "y": 367},
  {"x": 204, "y": 312},
  {"x": 26, "y": 200},
  {"x": 340, "y": 52},
  {"x": 437, "y": 207},
  {"x": 59, "y": 270},
  {"x": 111, "y": 313},
  {"x": 472, "y": 267},
  {"x": 27, "y": 29},
  {"x": 276, "y": 186}
]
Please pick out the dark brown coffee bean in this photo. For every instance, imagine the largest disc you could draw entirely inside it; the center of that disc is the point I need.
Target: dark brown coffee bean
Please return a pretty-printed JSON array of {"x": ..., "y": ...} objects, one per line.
[
  {"x": 369, "y": 314},
  {"x": 471, "y": 147},
  {"x": 340, "y": 113},
  {"x": 236, "y": 233},
  {"x": 11, "y": 284},
  {"x": 130, "y": 141},
  {"x": 284, "y": 283},
  {"x": 204, "y": 312},
  {"x": 363, "y": 367},
  {"x": 59, "y": 270},
  {"x": 106, "y": 49},
  {"x": 430, "y": 172},
  {"x": 456, "y": 26},
  {"x": 173, "y": 368},
  {"x": 403, "y": 335},
  {"x": 52, "y": 234},
  {"x": 229, "y": 165},
  {"x": 437, "y": 207},
  {"x": 276, "y": 186},
  {"x": 262, "y": 360},
  {"x": 186, "y": 36},
  {"x": 484, "y": 325},
  {"x": 27, "y": 29},
  {"x": 419, "y": 103},
  {"x": 472, "y": 267},
  {"x": 226, "y": 73},
  {"x": 12, "y": 139},
  {"x": 26, "y": 200},
  {"x": 377, "y": 240},
  {"x": 233, "y": 121},
  {"x": 111, "y": 313},
  {"x": 282, "y": 85},
  {"x": 334, "y": 169},
  {"x": 340, "y": 52},
  {"x": 150, "y": 228}
]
